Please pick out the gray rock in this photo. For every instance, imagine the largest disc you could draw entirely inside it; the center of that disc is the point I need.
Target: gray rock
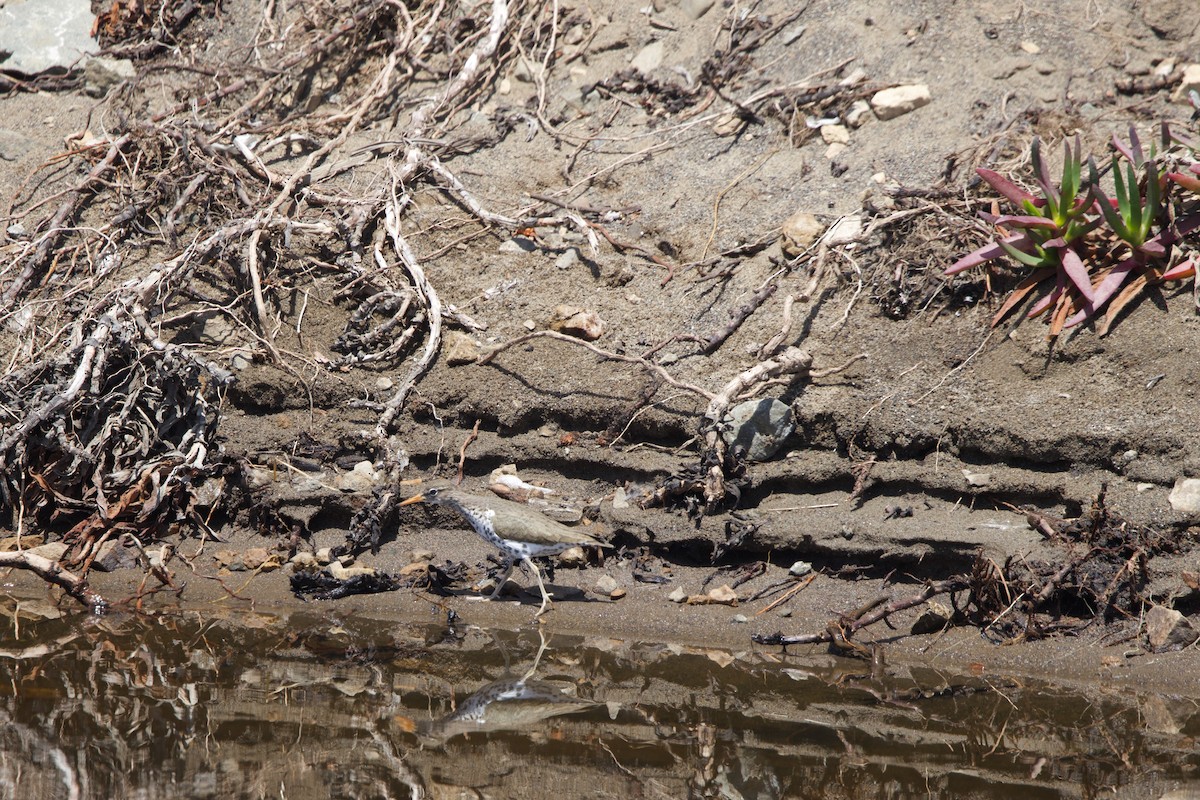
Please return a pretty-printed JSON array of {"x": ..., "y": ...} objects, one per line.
[
  {"x": 760, "y": 426},
  {"x": 695, "y": 9},
  {"x": 568, "y": 259},
  {"x": 114, "y": 556},
  {"x": 217, "y": 330},
  {"x": 649, "y": 57},
  {"x": 677, "y": 596},
  {"x": 53, "y": 551},
  {"x": 45, "y": 34},
  {"x": 934, "y": 619},
  {"x": 516, "y": 246},
  {"x": 1167, "y": 629},
  {"x": 800, "y": 569},
  {"x": 101, "y": 74},
  {"x": 899, "y": 100},
  {"x": 1185, "y": 497},
  {"x": 241, "y": 360},
  {"x": 606, "y": 584},
  {"x": 740, "y": 619}
]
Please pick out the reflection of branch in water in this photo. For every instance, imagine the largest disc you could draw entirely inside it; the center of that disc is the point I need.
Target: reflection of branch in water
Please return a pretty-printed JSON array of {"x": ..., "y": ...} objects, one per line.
[
  {"x": 398, "y": 768},
  {"x": 32, "y": 741}
]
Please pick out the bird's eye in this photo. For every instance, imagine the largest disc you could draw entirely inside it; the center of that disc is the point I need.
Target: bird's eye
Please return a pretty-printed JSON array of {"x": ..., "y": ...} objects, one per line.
[{"x": 431, "y": 493}]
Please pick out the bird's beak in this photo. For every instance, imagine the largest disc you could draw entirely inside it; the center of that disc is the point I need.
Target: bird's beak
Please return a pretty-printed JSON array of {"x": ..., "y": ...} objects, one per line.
[{"x": 416, "y": 498}]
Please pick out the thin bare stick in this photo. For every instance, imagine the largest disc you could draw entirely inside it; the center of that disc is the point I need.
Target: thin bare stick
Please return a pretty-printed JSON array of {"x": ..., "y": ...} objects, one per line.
[
  {"x": 605, "y": 354},
  {"x": 55, "y": 228},
  {"x": 788, "y": 595},
  {"x": 857, "y": 622},
  {"x": 462, "y": 451}
]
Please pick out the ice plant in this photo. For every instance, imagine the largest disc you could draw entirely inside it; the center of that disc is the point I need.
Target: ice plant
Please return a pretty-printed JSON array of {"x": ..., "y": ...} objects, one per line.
[
  {"x": 1050, "y": 237},
  {"x": 1101, "y": 251}
]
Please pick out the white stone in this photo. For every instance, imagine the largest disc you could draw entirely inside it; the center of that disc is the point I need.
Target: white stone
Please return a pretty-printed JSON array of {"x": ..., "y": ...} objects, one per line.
[
  {"x": 858, "y": 113},
  {"x": 834, "y": 150},
  {"x": 977, "y": 479},
  {"x": 899, "y": 100},
  {"x": 1185, "y": 496},
  {"x": 44, "y": 34},
  {"x": 835, "y": 134},
  {"x": 567, "y": 259},
  {"x": 649, "y": 57},
  {"x": 1190, "y": 83},
  {"x": 695, "y": 9},
  {"x": 728, "y": 124},
  {"x": 800, "y": 569},
  {"x": 846, "y": 230}
]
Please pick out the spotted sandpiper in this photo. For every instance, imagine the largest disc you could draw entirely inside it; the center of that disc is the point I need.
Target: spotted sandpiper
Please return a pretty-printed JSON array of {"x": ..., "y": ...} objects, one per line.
[{"x": 520, "y": 532}]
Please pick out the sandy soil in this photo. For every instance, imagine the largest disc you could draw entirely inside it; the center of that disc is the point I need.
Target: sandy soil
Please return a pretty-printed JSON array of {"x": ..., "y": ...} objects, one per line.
[{"x": 940, "y": 393}]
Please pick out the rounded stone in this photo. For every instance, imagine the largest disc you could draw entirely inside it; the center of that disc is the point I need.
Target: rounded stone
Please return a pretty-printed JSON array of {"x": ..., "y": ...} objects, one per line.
[{"x": 760, "y": 426}]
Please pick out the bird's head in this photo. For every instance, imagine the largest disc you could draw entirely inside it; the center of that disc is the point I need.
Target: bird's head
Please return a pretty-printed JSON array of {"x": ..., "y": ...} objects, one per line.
[{"x": 434, "y": 495}]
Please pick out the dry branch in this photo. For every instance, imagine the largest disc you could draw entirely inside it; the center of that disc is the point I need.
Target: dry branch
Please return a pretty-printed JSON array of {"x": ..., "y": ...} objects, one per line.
[
  {"x": 54, "y": 229},
  {"x": 876, "y": 611},
  {"x": 51, "y": 572}
]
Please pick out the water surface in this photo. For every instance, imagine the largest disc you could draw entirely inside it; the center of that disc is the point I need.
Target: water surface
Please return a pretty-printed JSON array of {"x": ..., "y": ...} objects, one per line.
[{"x": 313, "y": 705}]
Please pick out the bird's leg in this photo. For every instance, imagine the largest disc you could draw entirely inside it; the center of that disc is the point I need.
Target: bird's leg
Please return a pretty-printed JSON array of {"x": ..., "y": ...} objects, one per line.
[
  {"x": 508, "y": 569},
  {"x": 537, "y": 573}
]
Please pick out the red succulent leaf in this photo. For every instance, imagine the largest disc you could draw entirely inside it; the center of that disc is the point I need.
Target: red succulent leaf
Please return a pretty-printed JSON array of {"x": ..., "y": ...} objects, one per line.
[
  {"x": 1077, "y": 271},
  {"x": 1153, "y": 247},
  {"x": 1105, "y": 289},
  {"x": 1041, "y": 305},
  {"x": 1189, "y": 182},
  {"x": 988, "y": 252},
  {"x": 1024, "y": 221},
  {"x": 1186, "y": 269},
  {"x": 1015, "y": 194}
]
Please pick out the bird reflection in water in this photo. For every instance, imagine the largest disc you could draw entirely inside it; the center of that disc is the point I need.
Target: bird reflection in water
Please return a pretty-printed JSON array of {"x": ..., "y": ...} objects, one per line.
[{"x": 504, "y": 705}]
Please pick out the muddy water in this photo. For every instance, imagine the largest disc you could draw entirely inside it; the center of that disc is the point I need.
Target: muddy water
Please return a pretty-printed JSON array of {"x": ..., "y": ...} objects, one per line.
[{"x": 310, "y": 705}]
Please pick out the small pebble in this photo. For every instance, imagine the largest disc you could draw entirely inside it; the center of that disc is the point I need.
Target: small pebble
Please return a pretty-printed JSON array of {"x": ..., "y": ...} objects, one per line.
[
  {"x": 800, "y": 569},
  {"x": 677, "y": 596},
  {"x": 568, "y": 259},
  {"x": 740, "y": 619}
]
